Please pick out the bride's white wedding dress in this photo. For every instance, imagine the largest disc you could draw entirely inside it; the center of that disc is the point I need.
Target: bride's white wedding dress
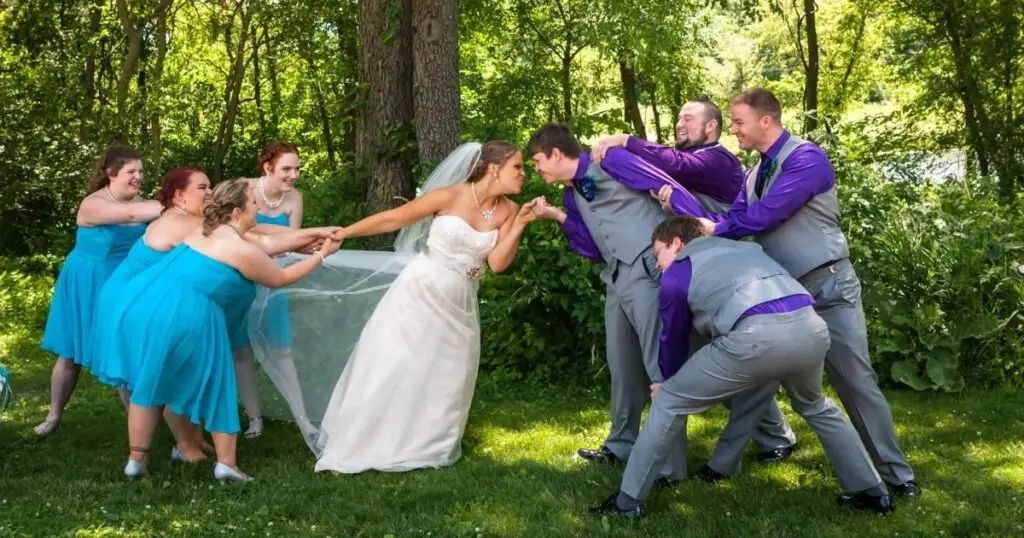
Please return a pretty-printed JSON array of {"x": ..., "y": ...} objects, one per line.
[{"x": 403, "y": 398}]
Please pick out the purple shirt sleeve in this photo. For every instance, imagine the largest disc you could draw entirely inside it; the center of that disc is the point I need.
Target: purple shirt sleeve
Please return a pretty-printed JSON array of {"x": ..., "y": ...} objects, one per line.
[
  {"x": 805, "y": 174},
  {"x": 640, "y": 175},
  {"x": 674, "y": 308},
  {"x": 711, "y": 170},
  {"x": 576, "y": 232}
]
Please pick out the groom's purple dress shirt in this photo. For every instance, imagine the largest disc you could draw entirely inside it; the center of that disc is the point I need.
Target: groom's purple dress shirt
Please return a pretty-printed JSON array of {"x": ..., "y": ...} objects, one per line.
[
  {"x": 709, "y": 168},
  {"x": 676, "y": 318},
  {"x": 629, "y": 170},
  {"x": 806, "y": 173}
]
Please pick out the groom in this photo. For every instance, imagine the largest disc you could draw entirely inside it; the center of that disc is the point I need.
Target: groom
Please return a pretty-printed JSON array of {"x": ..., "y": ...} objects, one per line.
[{"x": 608, "y": 218}]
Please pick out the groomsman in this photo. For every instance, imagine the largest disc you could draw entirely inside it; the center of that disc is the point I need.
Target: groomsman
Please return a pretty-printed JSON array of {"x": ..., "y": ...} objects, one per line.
[
  {"x": 698, "y": 161},
  {"x": 714, "y": 176},
  {"x": 789, "y": 205},
  {"x": 763, "y": 329},
  {"x": 608, "y": 218}
]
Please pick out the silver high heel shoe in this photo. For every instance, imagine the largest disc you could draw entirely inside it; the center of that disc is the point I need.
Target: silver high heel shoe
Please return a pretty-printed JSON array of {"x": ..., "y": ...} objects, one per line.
[
  {"x": 135, "y": 469},
  {"x": 225, "y": 473},
  {"x": 255, "y": 428}
]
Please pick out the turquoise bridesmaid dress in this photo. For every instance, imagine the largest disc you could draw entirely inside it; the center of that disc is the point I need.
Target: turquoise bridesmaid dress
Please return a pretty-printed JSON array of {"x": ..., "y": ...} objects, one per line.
[
  {"x": 97, "y": 253},
  {"x": 276, "y": 325},
  {"x": 171, "y": 322},
  {"x": 117, "y": 374}
]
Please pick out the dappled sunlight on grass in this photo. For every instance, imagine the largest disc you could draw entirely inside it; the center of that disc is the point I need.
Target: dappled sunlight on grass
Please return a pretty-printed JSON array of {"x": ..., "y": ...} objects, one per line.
[{"x": 519, "y": 475}]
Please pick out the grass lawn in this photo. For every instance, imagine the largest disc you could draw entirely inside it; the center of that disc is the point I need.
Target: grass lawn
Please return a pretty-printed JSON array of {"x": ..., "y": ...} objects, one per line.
[{"x": 518, "y": 476}]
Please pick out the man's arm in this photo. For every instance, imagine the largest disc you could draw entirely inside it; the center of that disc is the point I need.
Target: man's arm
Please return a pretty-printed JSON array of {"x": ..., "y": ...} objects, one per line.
[
  {"x": 640, "y": 175},
  {"x": 804, "y": 176},
  {"x": 676, "y": 319}
]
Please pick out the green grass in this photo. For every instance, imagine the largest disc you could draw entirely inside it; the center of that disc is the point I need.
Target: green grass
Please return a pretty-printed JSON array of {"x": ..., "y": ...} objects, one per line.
[{"x": 518, "y": 476}]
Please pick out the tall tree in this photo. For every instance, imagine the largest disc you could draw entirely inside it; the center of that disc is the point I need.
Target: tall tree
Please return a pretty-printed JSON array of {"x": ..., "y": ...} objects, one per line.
[
  {"x": 384, "y": 131},
  {"x": 435, "y": 47},
  {"x": 235, "y": 38}
]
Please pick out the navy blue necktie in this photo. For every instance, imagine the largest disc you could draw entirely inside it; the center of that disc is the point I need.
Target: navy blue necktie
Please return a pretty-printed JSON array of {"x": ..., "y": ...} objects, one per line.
[
  {"x": 585, "y": 186},
  {"x": 764, "y": 170}
]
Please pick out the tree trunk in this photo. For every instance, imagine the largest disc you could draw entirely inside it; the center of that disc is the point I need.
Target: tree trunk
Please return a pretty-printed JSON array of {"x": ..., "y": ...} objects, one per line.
[
  {"x": 435, "y": 48},
  {"x": 275, "y": 86},
  {"x": 257, "y": 97},
  {"x": 384, "y": 131},
  {"x": 974, "y": 110},
  {"x": 811, "y": 78},
  {"x": 232, "y": 87},
  {"x": 133, "y": 37},
  {"x": 567, "y": 80},
  {"x": 155, "y": 133},
  {"x": 89, "y": 74},
  {"x": 658, "y": 133},
  {"x": 631, "y": 108},
  {"x": 321, "y": 106}
]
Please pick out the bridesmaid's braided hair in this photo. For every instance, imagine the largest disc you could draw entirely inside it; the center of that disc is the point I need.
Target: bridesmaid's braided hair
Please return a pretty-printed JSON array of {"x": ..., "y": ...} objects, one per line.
[
  {"x": 494, "y": 152},
  {"x": 227, "y": 196}
]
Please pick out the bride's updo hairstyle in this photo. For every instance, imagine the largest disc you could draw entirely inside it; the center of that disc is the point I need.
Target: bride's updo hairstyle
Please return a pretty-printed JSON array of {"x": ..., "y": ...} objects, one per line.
[
  {"x": 227, "y": 197},
  {"x": 494, "y": 152}
]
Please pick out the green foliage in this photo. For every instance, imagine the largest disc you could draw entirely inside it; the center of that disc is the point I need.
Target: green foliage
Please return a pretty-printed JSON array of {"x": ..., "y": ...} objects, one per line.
[{"x": 544, "y": 318}]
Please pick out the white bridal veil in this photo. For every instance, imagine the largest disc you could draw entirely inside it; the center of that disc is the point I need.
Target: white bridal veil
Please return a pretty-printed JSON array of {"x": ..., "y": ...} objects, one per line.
[{"x": 304, "y": 334}]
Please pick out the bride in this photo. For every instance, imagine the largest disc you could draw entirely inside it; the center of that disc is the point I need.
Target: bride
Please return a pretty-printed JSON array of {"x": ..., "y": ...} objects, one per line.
[{"x": 404, "y": 395}]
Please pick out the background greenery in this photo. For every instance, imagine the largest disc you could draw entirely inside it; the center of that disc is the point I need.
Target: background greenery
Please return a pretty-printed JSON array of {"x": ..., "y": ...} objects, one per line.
[{"x": 930, "y": 200}]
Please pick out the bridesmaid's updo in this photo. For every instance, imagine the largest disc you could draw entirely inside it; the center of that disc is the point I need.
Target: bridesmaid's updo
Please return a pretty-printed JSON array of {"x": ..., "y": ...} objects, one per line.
[
  {"x": 494, "y": 152},
  {"x": 174, "y": 181},
  {"x": 109, "y": 164},
  {"x": 227, "y": 197}
]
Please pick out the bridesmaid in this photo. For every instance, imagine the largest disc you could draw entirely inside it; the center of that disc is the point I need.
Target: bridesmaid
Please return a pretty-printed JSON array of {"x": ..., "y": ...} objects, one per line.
[
  {"x": 173, "y": 320},
  {"x": 184, "y": 193},
  {"x": 110, "y": 219},
  {"x": 279, "y": 203}
]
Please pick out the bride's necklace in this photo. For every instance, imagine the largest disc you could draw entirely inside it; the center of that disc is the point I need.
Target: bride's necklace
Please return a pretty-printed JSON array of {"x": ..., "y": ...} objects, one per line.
[
  {"x": 182, "y": 211},
  {"x": 266, "y": 201},
  {"x": 488, "y": 213}
]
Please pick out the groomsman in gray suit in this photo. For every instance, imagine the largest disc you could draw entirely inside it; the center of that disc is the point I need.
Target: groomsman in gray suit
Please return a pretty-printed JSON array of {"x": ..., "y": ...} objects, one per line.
[
  {"x": 608, "y": 218},
  {"x": 790, "y": 206},
  {"x": 763, "y": 329}
]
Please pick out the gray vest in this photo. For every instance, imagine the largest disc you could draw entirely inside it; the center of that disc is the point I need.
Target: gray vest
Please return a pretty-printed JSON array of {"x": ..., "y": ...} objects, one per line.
[
  {"x": 620, "y": 219},
  {"x": 729, "y": 277},
  {"x": 812, "y": 236}
]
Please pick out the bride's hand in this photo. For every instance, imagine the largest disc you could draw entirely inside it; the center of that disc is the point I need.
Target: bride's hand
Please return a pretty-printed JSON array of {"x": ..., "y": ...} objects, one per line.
[
  {"x": 311, "y": 246},
  {"x": 329, "y": 231},
  {"x": 527, "y": 214},
  {"x": 338, "y": 234}
]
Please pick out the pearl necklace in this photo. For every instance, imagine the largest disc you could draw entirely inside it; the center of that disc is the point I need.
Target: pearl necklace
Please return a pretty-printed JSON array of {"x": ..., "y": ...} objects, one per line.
[
  {"x": 487, "y": 213},
  {"x": 263, "y": 194}
]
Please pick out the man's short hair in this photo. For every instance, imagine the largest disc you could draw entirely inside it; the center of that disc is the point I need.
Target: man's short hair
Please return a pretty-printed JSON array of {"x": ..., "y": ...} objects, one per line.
[
  {"x": 685, "y": 228},
  {"x": 762, "y": 101},
  {"x": 551, "y": 136},
  {"x": 711, "y": 112}
]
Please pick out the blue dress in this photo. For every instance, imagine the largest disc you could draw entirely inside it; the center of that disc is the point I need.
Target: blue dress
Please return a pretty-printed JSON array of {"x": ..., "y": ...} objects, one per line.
[
  {"x": 172, "y": 322},
  {"x": 276, "y": 325},
  {"x": 97, "y": 253},
  {"x": 115, "y": 373}
]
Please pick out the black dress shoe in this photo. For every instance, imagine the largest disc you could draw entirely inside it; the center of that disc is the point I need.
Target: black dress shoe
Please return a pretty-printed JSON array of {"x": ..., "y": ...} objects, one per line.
[
  {"x": 610, "y": 509},
  {"x": 707, "y": 474},
  {"x": 664, "y": 482},
  {"x": 601, "y": 455},
  {"x": 908, "y": 489},
  {"x": 879, "y": 504},
  {"x": 776, "y": 455}
]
